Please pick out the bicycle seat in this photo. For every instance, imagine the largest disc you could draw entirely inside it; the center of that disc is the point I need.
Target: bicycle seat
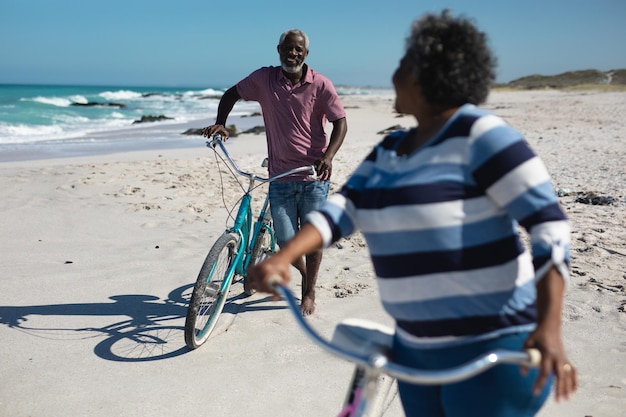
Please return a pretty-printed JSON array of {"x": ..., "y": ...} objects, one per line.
[{"x": 362, "y": 337}]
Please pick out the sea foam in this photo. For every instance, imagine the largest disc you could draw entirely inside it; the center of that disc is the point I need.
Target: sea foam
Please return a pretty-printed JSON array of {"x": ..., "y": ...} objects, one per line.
[{"x": 53, "y": 101}]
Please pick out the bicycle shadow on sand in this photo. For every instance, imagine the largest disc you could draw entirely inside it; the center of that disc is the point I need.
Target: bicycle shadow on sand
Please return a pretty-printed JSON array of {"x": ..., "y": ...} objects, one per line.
[{"x": 151, "y": 332}]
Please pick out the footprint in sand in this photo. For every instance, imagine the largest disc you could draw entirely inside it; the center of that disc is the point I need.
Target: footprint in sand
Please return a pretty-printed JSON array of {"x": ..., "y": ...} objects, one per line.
[
  {"x": 151, "y": 225},
  {"x": 347, "y": 289},
  {"x": 147, "y": 207},
  {"x": 129, "y": 190}
]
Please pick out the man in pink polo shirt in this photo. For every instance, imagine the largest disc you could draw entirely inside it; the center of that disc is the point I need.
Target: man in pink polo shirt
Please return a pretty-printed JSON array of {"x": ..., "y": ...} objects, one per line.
[{"x": 296, "y": 102}]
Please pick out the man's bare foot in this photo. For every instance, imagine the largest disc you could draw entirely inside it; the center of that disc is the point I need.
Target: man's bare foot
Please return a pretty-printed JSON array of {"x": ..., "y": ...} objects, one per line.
[{"x": 307, "y": 307}]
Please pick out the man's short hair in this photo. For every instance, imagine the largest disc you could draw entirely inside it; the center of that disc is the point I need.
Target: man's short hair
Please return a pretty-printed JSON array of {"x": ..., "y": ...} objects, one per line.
[{"x": 294, "y": 32}]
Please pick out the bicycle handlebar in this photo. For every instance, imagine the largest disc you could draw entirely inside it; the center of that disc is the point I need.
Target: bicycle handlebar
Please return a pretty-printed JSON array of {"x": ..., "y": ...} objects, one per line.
[
  {"x": 218, "y": 141},
  {"x": 367, "y": 345}
]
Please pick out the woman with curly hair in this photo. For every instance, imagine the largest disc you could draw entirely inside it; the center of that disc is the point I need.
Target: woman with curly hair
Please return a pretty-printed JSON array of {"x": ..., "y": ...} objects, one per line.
[{"x": 439, "y": 206}]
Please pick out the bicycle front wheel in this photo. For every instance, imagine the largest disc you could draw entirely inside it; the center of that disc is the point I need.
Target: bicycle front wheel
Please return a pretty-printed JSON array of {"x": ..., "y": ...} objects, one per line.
[{"x": 211, "y": 290}]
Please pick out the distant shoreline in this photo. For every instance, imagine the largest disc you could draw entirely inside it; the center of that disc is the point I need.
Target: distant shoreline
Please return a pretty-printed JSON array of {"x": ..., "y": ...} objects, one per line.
[
  {"x": 611, "y": 80},
  {"x": 578, "y": 87},
  {"x": 167, "y": 136}
]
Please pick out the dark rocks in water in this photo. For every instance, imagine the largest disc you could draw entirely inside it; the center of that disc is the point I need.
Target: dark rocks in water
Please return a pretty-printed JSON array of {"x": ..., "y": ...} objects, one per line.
[
  {"x": 232, "y": 131},
  {"x": 98, "y": 104},
  {"x": 257, "y": 130},
  {"x": 145, "y": 119},
  {"x": 390, "y": 129},
  {"x": 193, "y": 132}
]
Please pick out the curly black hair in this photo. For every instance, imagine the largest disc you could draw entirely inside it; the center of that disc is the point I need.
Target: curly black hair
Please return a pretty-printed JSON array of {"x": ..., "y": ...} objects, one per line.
[{"x": 451, "y": 60}]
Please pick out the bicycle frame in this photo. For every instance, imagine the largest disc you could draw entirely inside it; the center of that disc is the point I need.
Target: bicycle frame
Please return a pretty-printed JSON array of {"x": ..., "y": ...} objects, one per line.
[
  {"x": 243, "y": 225},
  {"x": 248, "y": 232},
  {"x": 243, "y": 243}
]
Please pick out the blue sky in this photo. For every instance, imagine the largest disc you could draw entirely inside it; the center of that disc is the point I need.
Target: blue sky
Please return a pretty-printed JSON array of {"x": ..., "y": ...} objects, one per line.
[{"x": 210, "y": 43}]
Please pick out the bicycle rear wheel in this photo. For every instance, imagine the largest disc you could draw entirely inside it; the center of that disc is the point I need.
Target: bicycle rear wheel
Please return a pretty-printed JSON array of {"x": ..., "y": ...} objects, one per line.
[
  {"x": 262, "y": 249},
  {"x": 211, "y": 290}
]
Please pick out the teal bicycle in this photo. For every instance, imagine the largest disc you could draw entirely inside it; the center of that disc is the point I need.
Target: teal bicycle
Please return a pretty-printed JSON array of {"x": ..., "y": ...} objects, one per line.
[{"x": 243, "y": 244}]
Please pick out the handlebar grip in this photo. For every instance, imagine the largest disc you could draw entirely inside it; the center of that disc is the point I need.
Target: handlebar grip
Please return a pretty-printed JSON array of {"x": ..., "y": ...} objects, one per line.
[
  {"x": 534, "y": 357},
  {"x": 216, "y": 138},
  {"x": 275, "y": 281}
]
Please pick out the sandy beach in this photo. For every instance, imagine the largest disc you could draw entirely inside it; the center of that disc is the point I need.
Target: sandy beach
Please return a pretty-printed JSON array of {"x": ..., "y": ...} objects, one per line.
[{"x": 99, "y": 254}]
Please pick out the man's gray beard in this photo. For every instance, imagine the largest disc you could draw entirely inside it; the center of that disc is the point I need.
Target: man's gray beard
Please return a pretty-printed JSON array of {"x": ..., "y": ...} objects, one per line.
[{"x": 292, "y": 70}]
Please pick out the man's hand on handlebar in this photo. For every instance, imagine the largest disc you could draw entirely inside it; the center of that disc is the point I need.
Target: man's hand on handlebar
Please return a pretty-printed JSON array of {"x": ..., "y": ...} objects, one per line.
[
  {"x": 216, "y": 129},
  {"x": 324, "y": 168}
]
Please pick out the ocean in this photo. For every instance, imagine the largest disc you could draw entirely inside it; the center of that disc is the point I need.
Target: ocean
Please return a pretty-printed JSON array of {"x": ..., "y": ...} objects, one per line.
[
  {"x": 35, "y": 113},
  {"x": 51, "y": 120}
]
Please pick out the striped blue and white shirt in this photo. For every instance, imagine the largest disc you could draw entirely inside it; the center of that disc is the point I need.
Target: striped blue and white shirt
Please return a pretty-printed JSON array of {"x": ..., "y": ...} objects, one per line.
[{"x": 441, "y": 225}]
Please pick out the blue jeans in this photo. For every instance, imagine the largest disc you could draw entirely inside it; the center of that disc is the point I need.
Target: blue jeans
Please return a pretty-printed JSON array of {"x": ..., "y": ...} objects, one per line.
[
  {"x": 290, "y": 202},
  {"x": 501, "y": 391}
]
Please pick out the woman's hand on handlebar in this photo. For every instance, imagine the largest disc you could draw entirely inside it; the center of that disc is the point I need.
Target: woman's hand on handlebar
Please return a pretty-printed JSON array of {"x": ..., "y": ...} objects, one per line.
[
  {"x": 262, "y": 276},
  {"x": 216, "y": 129},
  {"x": 553, "y": 360},
  {"x": 547, "y": 337}
]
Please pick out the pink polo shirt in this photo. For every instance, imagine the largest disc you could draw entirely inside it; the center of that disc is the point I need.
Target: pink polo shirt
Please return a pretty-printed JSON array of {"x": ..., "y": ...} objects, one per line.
[{"x": 294, "y": 116}]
